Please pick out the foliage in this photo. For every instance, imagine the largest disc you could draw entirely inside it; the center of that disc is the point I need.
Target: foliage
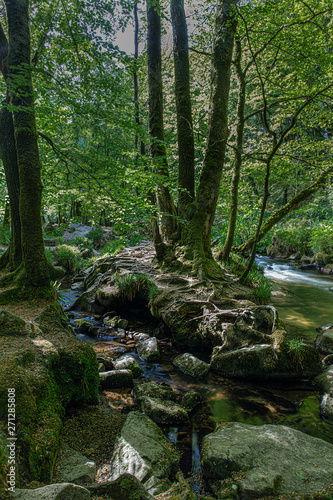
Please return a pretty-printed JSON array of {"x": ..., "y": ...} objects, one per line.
[
  {"x": 4, "y": 235},
  {"x": 3, "y": 462},
  {"x": 131, "y": 286},
  {"x": 113, "y": 246},
  {"x": 95, "y": 236},
  {"x": 67, "y": 256},
  {"x": 322, "y": 237}
]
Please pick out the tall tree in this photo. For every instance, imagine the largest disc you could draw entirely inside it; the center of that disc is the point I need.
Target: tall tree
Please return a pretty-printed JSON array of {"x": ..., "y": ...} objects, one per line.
[
  {"x": 200, "y": 226},
  {"x": 35, "y": 270},
  {"x": 184, "y": 111},
  {"x": 156, "y": 127}
]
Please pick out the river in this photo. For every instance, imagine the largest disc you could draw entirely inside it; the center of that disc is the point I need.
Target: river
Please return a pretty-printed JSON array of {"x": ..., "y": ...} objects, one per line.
[{"x": 308, "y": 300}]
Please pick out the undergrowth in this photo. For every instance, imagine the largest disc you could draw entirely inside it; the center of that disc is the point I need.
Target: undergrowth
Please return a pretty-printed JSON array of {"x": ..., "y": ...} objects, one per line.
[{"x": 131, "y": 286}]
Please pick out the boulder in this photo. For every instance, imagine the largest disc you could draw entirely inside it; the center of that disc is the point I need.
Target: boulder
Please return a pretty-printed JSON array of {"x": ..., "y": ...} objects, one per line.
[
  {"x": 125, "y": 487},
  {"x": 267, "y": 362},
  {"x": 325, "y": 381},
  {"x": 328, "y": 360},
  {"x": 190, "y": 400},
  {"x": 326, "y": 406},
  {"x": 74, "y": 467},
  {"x": 191, "y": 365},
  {"x": 49, "y": 371},
  {"x": 128, "y": 362},
  {"x": 164, "y": 412},
  {"x": 76, "y": 230},
  {"x": 274, "y": 460},
  {"x": 155, "y": 390},
  {"x": 143, "y": 451},
  {"x": 148, "y": 350},
  {"x": 62, "y": 491},
  {"x": 324, "y": 341},
  {"x": 115, "y": 379},
  {"x": 10, "y": 324}
]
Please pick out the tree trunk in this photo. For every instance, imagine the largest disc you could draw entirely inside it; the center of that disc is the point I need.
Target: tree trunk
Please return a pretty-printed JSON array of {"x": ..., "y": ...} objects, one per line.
[
  {"x": 200, "y": 227},
  {"x": 156, "y": 129},
  {"x": 225, "y": 252},
  {"x": 184, "y": 111},
  {"x": 285, "y": 210},
  {"x": 12, "y": 257},
  {"x": 36, "y": 270}
]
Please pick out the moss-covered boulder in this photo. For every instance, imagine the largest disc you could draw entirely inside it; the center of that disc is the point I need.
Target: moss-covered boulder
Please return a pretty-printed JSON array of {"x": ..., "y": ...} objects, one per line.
[
  {"x": 125, "y": 487},
  {"x": 116, "y": 378},
  {"x": 155, "y": 390},
  {"x": 268, "y": 362},
  {"x": 324, "y": 341},
  {"x": 128, "y": 362},
  {"x": 191, "y": 365},
  {"x": 144, "y": 451},
  {"x": 148, "y": 350},
  {"x": 164, "y": 411},
  {"x": 268, "y": 460},
  {"x": 49, "y": 369}
]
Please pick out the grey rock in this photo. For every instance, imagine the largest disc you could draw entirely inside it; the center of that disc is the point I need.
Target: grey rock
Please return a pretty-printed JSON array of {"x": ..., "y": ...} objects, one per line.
[
  {"x": 125, "y": 487},
  {"x": 191, "y": 365},
  {"x": 61, "y": 491},
  {"x": 143, "y": 451},
  {"x": 74, "y": 467},
  {"x": 76, "y": 230},
  {"x": 148, "y": 350},
  {"x": 265, "y": 362},
  {"x": 108, "y": 363},
  {"x": 325, "y": 380},
  {"x": 155, "y": 390},
  {"x": 190, "y": 400},
  {"x": 326, "y": 406},
  {"x": 274, "y": 459},
  {"x": 116, "y": 378},
  {"x": 328, "y": 360},
  {"x": 128, "y": 362},
  {"x": 324, "y": 341},
  {"x": 164, "y": 412}
]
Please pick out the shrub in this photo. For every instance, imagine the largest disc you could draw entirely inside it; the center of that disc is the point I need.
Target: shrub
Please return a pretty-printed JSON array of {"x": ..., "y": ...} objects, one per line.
[
  {"x": 67, "y": 256},
  {"x": 95, "y": 235},
  {"x": 131, "y": 286},
  {"x": 322, "y": 237},
  {"x": 113, "y": 246}
]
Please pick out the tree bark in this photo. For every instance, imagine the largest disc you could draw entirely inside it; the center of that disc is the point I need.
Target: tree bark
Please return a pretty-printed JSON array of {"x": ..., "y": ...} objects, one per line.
[
  {"x": 225, "y": 252},
  {"x": 184, "y": 111},
  {"x": 12, "y": 257},
  {"x": 200, "y": 227},
  {"x": 36, "y": 270},
  {"x": 156, "y": 129}
]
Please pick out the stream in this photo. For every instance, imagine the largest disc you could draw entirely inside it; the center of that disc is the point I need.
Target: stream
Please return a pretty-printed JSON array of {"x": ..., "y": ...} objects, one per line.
[{"x": 306, "y": 303}]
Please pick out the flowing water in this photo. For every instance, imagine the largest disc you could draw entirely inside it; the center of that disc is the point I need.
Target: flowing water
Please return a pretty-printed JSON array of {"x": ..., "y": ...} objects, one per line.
[
  {"x": 308, "y": 300},
  {"x": 306, "y": 303}
]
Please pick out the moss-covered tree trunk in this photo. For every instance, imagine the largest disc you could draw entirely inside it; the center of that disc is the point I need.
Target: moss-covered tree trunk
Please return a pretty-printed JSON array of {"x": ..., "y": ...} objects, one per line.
[
  {"x": 156, "y": 129},
  {"x": 200, "y": 227},
  {"x": 184, "y": 111},
  {"x": 225, "y": 252},
  {"x": 36, "y": 271},
  {"x": 13, "y": 256}
]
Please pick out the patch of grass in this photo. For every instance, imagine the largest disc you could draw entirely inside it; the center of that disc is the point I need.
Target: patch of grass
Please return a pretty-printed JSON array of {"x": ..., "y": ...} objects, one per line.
[
  {"x": 113, "y": 247},
  {"x": 131, "y": 286},
  {"x": 68, "y": 256}
]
